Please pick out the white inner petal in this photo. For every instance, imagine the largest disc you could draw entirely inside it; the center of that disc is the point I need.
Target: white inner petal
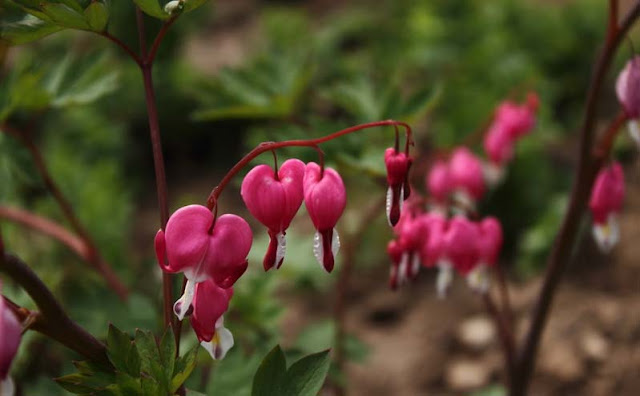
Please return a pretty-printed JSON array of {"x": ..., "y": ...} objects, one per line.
[
  {"x": 282, "y": 248},
  {"x": 221, "y": 342},
  {"x": 478, "y": 279},
  {"x": 317, "y": 248},
  {"x": 607, "y": 235},
  {"x": 402, "y": 269},
  {"x": 445, "y": 277},
  {"x": 493, "y": 174},
  {"x": 634, "y": 131},
  {"x": 389, "y": 203},
  {"x": 335, "y": 243},
  {"x": 181, "y": 306},
  {"x": 415, "y": 264},
  {"x": 6, "y": 387}
]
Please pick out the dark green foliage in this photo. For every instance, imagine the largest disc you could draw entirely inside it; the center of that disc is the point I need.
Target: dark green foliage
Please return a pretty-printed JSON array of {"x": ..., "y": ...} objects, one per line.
[
  {"x": 304, "y": 378},
  {"x": 142, "y": 367}
]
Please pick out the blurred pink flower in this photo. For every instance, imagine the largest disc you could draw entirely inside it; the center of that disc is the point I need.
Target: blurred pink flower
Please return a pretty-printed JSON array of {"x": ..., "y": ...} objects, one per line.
[
  {"x": 465, "y": 170},
  {"x": 606, "y": 202},
  {"x": 439, "y": 181}
]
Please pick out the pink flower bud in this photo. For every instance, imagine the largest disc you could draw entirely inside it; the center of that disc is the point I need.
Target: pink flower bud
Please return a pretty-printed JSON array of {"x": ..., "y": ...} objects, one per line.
[
  {"x": 10, "y": 335},
  {"x": 433, "y": 246},
  {"x": 394, "y": 250},
  {"x": 461, "y": 244},
  {"x": 490, "y": 241},
  {"x": 325, "y": 199},
  {"x": 439, "y": 181},
  {"x": 606, "y": 202},
  {"x": 194, "y": 245},
  {"x": 517, "y": 120},
  {"x": 274, "y": 201},
  {"x": 628, "y": 87},
  {"x": 398, "y": 164},
  {"x": 466, "y": 174},
  {"x": 498, "y": 144},
  {"x": 210, "y": 302}
]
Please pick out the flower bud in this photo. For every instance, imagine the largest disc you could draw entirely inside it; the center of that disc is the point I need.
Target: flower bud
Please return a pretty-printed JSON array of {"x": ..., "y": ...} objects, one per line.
[
  {"x": 517, "y": 120},
  {"x": 274, "y": 201},
  {"x": 397, "y": 164},
  {"x": 194, "y": 245},
  {"x": 606, "y": 202}
]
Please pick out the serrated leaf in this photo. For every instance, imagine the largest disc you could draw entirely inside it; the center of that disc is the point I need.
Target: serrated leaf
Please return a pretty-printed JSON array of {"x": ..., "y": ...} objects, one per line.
[
  {"x": 147, "y": 348},
  {"x": 26, "y": 30},
  {"x": 118, "y": 346},
  {"x": 133, "y": 361},
  {"x": 75, "y": 383},
  {"x": 128, "y": 385},
  {"x": 65, "y": 16},
  {"x": 97, "y": 16},
  {"x": 306, "y": 376},
  {"x": 152, "y": 8},
  {"x": 168, "y": 352},
  {"x": 150, "y": 387},
  {"x": 270, "y": 375},
  {"x": 184, "y": 367}
]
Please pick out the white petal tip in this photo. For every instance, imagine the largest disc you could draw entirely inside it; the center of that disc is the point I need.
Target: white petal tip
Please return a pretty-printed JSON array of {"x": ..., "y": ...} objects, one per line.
[
  {"x": 607, "y": 235},
  {"x": 478, "y": 279},
  {"x": 183, "y": 305},
  {"x": 281, "y": 249},
  {"x": 221, "y": 342}
]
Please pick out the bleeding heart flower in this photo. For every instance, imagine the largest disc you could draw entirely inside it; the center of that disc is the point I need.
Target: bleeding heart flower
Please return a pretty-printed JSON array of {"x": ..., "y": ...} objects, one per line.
[
  {"x": 489, "y": 245},
  {"x": 10, "y": 335},
  {"x": 498, "y": 144},
  {"x": 398, "y": 164},
  {"x": 396, "y": 274},
  {"x": 433, "y": 247},
  {"x": 274, "y": 200},
  {"x": 466, "y": 174},
  {"x": 606, "y": 201},
  {"x": 439, "y": 182},
  {"x": 628, "y": 91},
  {"x": 210, "y": 302},
  {"x": 325, "y": 198},
  {"x": 461, "y": 244},
  {"x": 517, "y": 120},
  {"x": 194, "y": 245}
]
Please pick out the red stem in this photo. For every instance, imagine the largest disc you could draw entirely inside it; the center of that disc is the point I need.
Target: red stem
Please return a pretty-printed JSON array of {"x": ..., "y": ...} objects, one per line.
[
  {"x": 156, "y": 42},
  {"x": 561, "y": 251},
  {"x": 47, "y": 227},
  {"x": 158, "y": 160},
  {"x": 268, "y": 146},
  {"x": 606, "y": 143},
  {"x": 93, "y": 256},
  {"x": 123, "y": 46}
]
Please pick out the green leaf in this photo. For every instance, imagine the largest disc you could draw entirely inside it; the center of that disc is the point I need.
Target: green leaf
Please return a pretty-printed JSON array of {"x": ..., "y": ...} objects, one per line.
[
  {"x": 270, "y": 375},
  {"x": 306, "y": 376},
  {"x": 128, "y": 385},
  {"x": 191, "y": 5},
  {"x": 147, "y": 348},
  {"x": 65, "y": 16},
  {"x": 97, "y": 16},
  {"x": 133, "y": 361},
  {"x": 75, "y": 383},
  {"x": 168, "y": 352},
  {"x": 152, "y": 8},
  {"x": 26, "y": 30},
  {"x": 118, "y": 346},
  {"x": 150, "y": 387},
  {"x": 184, "y": 367}
]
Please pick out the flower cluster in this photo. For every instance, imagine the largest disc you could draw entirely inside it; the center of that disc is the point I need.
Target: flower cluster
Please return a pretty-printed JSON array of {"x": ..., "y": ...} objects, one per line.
[
  {"x": 10, "y": 334},
  {"x": 212, "y": 253},
  {"x": 440, "y": 234}
]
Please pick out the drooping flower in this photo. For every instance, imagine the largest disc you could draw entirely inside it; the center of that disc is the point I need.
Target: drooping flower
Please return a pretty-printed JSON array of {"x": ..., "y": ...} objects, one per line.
[
  {"x": 210, "y": 302},
  {"x": 10, "y": 335},
  {"x": 499, "y": 147},
  {"x": 460, "y": 251},
  {"x": 193, "y": 244},
  {"x": 489, "y": 245},
  {"x": 274, "y": 200},
  {"x": 606, "y": 202},
  {"x": 628, "y": 92},
  {"x": 517, "y": 120},
  {"x": 433, "y": 246},
  {"x": 439, "y": 182},
  {"x": 467, "y": 177},
  {"x": 397, "y": 164},
  {"x": 396, "y": 274},
  {"x": 325, "y": 198}
]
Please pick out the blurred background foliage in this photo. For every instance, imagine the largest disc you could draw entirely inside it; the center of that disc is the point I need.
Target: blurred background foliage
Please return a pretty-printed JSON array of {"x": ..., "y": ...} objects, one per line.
[{"x": 305, "y": 69}]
